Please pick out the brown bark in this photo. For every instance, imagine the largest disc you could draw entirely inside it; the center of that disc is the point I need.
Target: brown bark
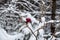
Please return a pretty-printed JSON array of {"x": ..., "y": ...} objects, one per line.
[{"x": 53, "y": 16}]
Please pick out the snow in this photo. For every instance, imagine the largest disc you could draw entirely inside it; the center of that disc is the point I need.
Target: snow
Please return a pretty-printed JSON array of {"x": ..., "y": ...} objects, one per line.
[
  {"x": 5, "y": 36},
  {"x": 30, "y": 26},
  {"x": 26, "y": 30},
  {"x": 14, "y": 0},
  {"x": 42, "y": 19},
  {"x": 57, "y": 33},
  {"x": 24, "y": 19},
  {"x": 22, "y": 27},
  {"x": 53, "y": 21},
  {"x": 43, "y": 2},
  {"x": 32, "y": 38},
  {"x": 41, "y": 32}
]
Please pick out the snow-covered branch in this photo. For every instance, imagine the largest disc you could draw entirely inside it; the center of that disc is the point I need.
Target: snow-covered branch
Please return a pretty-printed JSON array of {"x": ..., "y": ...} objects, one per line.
[{"x": 41, "y": 25}]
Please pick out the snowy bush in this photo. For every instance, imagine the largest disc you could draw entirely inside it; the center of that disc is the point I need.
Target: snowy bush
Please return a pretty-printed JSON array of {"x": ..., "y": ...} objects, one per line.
[{"x": 13, "y": 16}]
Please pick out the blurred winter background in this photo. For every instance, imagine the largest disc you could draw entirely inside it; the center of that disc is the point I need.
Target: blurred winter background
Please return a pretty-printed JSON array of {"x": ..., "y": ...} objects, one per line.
[{"x": 13, "y": 14}]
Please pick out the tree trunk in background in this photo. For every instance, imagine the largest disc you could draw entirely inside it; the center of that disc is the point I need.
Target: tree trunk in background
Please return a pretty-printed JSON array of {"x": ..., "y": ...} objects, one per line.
[{"x": 53, "y": 16}]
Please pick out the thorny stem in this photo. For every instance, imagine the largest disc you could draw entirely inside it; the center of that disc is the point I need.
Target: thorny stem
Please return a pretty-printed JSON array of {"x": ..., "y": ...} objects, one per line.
[{"x": 31, "y": 31}]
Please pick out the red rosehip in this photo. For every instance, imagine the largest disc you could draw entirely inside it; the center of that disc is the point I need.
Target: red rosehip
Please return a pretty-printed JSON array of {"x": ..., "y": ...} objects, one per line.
[{"x": 28, "y": 20}]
